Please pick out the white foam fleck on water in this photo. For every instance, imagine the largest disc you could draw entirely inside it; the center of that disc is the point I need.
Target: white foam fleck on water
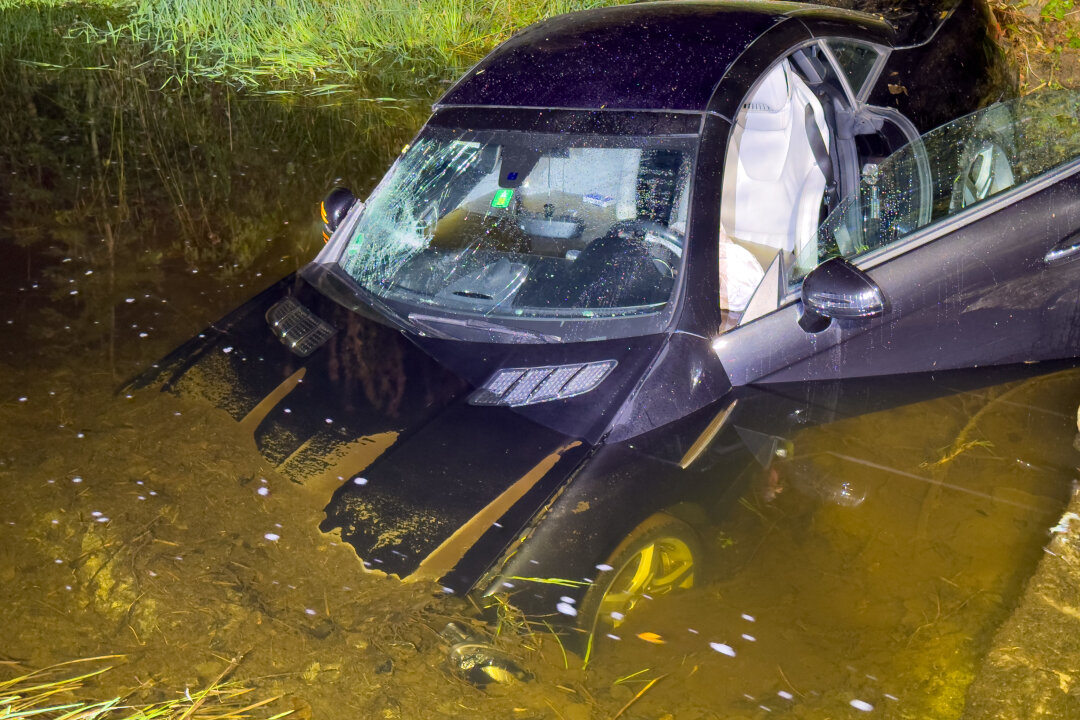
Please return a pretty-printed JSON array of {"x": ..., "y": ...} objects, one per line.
[
  {"x": 890, "y": 697},
  {"x": 129, "y": 300},
  {"x": 329, "y": 421},
  {"x": 785, "y": 694},
  {"x": 103, "y": 519},
  {"x": 749, "y": 638},
  {"x": 568, "y": 599},
  {"x": 360, "y": 481},
  {"x": 604, "y": 567},
  {"x": 80, "y": 435},
  {"x": 76, "y": 479},
  {"x": 613, "y": 636},
  {"x": 272, "y": 537},
  {"x": 227, "y": 349},
  {"x": 692, "y": 630},
  {"x": 310, "y": 611},
  {"x": 566, "y": 609},
  {"x": 97, "y": 513},
  {"x": 264, "y": 491},
  {"x": 723, "y": 649},
  {"x": 22, "y": 399},
  {"x": 861, "y": 705},
  {"x": 616, "y": 615},
  {"x": 748, "y": 618},
  {"x": 59, "y": 561}
]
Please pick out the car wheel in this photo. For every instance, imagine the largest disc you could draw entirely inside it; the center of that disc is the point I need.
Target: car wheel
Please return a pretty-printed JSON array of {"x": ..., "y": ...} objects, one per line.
[{"x": 661, "y": 555}]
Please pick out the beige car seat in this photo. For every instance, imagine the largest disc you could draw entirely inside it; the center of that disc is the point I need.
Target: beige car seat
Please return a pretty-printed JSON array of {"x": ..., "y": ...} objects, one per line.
[{"x": 774, "y": 181}]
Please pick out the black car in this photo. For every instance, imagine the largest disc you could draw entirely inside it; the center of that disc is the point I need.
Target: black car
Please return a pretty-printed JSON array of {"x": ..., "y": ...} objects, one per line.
[{"x": 560, "y": 336}]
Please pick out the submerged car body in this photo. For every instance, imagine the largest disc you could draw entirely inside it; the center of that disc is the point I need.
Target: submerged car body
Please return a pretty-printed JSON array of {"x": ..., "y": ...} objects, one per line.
[{"x": 563, "y": 331}]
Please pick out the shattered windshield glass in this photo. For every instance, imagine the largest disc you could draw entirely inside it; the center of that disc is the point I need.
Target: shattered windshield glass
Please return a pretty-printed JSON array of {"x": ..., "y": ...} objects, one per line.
[
  {"x": 526, "y": 225},
  {"x": 950, "y": 169}
]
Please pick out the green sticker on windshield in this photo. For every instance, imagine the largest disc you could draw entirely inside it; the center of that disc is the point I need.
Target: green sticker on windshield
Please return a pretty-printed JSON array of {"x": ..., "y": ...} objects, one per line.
[{"x": 502, "y": 198}]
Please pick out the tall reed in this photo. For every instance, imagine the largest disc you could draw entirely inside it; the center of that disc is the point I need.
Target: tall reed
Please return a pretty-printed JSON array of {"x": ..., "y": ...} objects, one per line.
[{"x": 266, "y": 41}]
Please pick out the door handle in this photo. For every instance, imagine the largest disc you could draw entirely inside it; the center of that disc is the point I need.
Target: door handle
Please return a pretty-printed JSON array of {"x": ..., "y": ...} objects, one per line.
[{"x": 1064, "y": 250}]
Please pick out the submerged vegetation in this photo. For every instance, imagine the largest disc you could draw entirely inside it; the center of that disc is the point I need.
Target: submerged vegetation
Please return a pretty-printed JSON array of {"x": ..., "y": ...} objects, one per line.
[{"x": 55, "y": 692}]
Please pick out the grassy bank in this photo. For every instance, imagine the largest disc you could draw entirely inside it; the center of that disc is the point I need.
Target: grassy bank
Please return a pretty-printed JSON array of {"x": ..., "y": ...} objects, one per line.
[
  {"x": 256, "y": 42},
  {"x": 331, "y": 43}
]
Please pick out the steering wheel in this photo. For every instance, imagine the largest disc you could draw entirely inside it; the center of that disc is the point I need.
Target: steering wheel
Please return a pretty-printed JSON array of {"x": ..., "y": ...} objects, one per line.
[{"x": 663, "y": 244}]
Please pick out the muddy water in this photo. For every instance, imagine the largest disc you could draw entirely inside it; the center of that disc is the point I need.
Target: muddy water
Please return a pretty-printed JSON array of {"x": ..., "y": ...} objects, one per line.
[{"x": 864, "y": 577}]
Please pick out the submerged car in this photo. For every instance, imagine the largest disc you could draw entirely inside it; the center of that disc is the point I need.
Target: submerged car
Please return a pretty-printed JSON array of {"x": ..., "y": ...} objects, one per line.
[{"x": 548, "y": 349}]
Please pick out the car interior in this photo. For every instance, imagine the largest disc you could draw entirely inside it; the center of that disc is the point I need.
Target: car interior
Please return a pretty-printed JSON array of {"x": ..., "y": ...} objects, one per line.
[{"x": 799, "y": 144}]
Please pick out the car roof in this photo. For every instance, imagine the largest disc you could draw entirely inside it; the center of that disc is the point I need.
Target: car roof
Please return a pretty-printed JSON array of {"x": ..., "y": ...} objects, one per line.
[{"x": 649, "y": 56}]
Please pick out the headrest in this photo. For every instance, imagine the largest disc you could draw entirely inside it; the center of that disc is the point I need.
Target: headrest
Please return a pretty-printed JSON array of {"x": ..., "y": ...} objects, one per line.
[{"x": 769, "y": 106}]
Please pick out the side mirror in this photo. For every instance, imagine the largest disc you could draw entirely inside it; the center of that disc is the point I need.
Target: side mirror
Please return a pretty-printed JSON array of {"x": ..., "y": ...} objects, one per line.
[
  {"x": 838, "y": 289},
  {"x": 334, "y": 208}
]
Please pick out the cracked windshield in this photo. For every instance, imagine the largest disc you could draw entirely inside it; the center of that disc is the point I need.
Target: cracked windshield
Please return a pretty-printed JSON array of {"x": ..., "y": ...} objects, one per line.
[{"x": 449, "y": 470}]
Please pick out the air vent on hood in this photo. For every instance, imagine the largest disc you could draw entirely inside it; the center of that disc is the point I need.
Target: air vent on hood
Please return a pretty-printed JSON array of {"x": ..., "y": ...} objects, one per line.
[
  {"x": 527, "y": 386},
  {"x": 297, "y": 327}
]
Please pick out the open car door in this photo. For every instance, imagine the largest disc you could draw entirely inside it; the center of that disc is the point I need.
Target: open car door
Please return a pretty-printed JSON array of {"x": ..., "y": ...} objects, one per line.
[{"x": 961, "y": 249}]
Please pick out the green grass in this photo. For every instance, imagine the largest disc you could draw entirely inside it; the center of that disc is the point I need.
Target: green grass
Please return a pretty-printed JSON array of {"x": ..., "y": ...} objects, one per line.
[{"x": 259, "y": 42}]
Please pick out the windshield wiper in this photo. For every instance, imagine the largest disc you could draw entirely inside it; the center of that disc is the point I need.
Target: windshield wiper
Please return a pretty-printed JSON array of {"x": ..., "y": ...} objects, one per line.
[{"x": 475, "y": 330}]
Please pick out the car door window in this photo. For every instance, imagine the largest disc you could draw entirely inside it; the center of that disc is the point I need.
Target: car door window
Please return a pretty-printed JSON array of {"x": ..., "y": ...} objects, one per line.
[
  {"x": 947, "y": 171},
  {"x": 856, "y": 60}
]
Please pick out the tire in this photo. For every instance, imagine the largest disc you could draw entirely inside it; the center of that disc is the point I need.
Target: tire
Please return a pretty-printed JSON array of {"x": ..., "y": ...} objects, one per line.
[{"x": 661, "y": 555}]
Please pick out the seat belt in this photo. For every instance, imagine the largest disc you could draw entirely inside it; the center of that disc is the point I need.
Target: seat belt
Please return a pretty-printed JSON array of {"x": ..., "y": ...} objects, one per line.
[{"x": 817, "y": 146}]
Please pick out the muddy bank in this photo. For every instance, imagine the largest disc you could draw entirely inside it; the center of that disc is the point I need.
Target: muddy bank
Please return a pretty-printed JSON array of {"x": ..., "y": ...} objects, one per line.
[{"x": 1032, "y": 669}]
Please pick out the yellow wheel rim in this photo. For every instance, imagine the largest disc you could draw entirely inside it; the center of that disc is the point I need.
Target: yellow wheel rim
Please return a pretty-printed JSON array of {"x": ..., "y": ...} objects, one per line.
[{"x": 656, "y": 569}]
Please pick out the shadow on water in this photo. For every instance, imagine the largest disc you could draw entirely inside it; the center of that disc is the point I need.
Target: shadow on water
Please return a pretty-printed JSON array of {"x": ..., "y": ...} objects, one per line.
[{"x": 866, "y": 575}]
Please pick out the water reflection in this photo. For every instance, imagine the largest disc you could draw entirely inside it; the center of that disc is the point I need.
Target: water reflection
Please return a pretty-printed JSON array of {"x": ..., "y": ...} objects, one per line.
[
  {"x": 133, "y": 216},
  {"x": 886, "y": 604}
]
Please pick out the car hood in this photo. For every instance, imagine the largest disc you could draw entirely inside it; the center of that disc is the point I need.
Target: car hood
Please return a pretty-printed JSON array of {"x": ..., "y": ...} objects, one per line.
[{"x": 423, "y": 478}]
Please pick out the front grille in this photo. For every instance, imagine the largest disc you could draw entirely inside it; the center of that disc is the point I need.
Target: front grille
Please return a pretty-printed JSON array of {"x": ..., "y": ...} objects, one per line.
[{"x": 297, "y": 327}]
